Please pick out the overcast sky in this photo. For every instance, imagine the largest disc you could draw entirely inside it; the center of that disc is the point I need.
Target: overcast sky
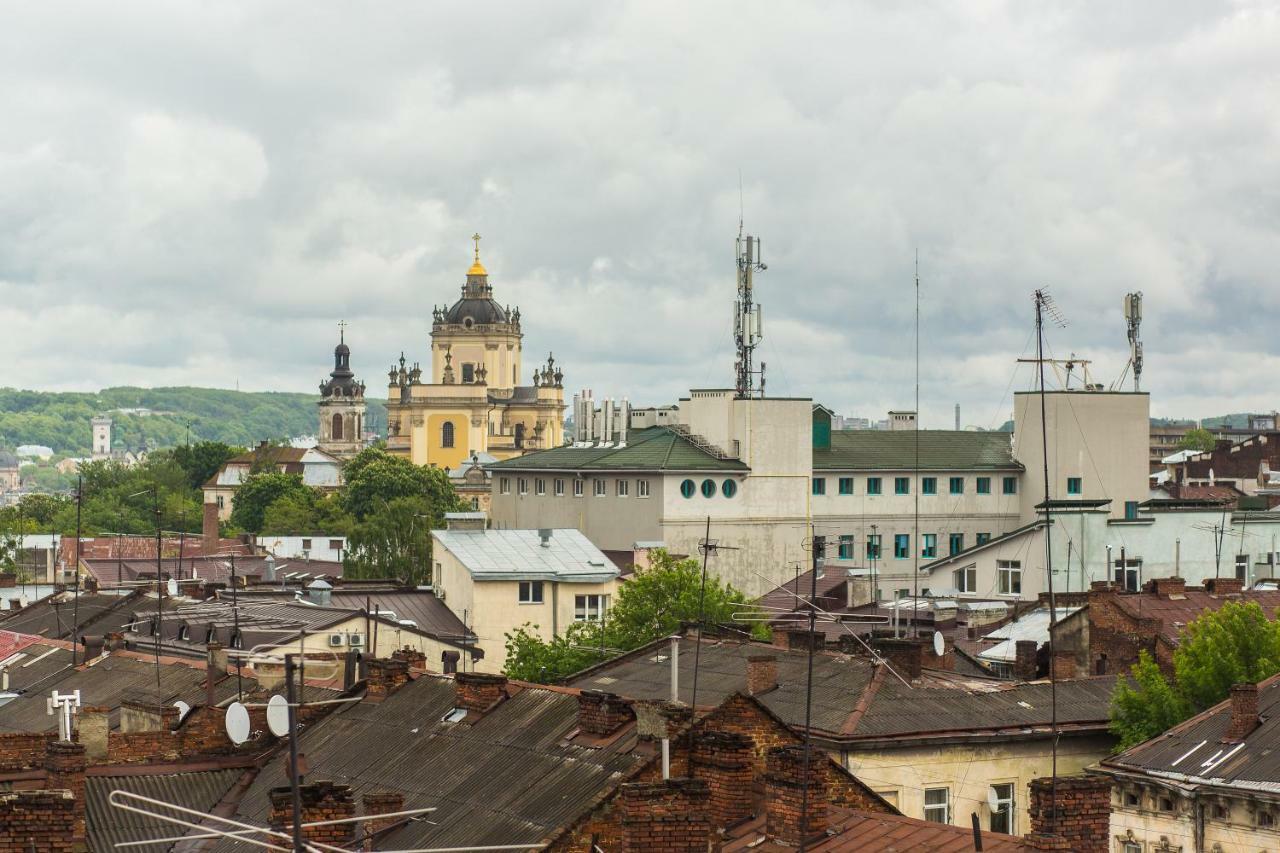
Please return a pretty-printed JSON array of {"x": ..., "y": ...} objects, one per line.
[{"x": 198, "y": 193}]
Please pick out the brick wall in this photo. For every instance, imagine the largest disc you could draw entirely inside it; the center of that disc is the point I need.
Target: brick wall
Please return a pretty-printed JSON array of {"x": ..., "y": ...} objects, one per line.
[
  {"x": 320, "y": 801},
  {"x": 1081, "y": 819},
  {"x": 37, "y": 820},
  {"x": 64, "y": 765},
  {"x": 386, "y": 676},
  {"x": 1115, "y": 634},
  {"x": 724, "y": 760},
  {"x": 601, "y": 713},
  {"x": 23, "y": 750},
  {"x": 670, "y": 816},
  {"x": 479, "y": 691},
  {"x": 796, "y": 811},
  {"x": 378, "y": 803},
  {"x": 762, "y": 674}
]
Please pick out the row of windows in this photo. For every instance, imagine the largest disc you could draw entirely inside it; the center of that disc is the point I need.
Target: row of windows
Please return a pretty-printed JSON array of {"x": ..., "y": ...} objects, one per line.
[
  {"x": 728, "y": 488},
  {"x": 1008, "y": 578},
  {"x": 902, "y": 545},
  {"x": 928, "y": 485},
  {"x": 599, "y": 487},
  {"x": 586, "y": 608},
  {"x": 937, "y": 807}
]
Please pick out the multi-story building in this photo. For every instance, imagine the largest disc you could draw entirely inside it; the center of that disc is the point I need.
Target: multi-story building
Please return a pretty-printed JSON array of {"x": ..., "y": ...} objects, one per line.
[
  {"x": 471, "y": 400},
  {"x": 341, "y": 407}
]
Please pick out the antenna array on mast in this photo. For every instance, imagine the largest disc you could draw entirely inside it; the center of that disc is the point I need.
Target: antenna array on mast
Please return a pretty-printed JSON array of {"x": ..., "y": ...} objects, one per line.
[{"x": 747, "y": 328}]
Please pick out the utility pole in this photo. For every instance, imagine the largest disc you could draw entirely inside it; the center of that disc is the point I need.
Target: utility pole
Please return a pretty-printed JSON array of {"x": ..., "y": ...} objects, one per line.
[
  {"x": 298, "y": 846},
  {"x": 75, "y": 607}
]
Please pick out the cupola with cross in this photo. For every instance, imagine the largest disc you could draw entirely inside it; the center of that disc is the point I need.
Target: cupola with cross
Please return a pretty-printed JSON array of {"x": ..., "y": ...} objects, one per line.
[{"x": 342, "y": 407}]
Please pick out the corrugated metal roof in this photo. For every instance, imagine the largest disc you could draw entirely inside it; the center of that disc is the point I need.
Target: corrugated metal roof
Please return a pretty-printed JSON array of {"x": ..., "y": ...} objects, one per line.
[
  {"x": 106, "y": 826},
  {"x": 431, "y": 615},
  {"x": 521, "y": 555},
  {"x": 652, "y": 449},
  {"x": 57, "y": 615},
  {"x": 895, "y": 450},
  {"x": 1032, "y": 626},
  {"x": 861, "y": 831}
]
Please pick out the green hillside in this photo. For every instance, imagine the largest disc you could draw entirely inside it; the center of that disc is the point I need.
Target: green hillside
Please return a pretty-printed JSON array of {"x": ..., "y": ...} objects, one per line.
[{"x": 61, "y": 420}]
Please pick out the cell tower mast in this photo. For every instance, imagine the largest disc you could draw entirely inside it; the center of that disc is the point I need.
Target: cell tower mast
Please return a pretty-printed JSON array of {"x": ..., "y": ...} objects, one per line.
[
  {"x": 747, "y": 328},
  {"x": 1133, "y": 314}
]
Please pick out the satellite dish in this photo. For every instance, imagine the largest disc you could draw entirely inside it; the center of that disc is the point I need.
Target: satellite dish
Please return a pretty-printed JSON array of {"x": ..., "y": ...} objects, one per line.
[
  {"x": 278, "y": 715},
  {"x": 171, "y": 587},
  {"x": 183, "y": 708},
  {"x": 939, "y": 645},
  {"x": 993, "y": 802},
  {"x": 237, "y": 723}
]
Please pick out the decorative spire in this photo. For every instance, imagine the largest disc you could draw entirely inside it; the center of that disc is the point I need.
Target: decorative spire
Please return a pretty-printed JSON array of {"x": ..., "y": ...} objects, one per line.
[{"x": 477, "y": 268}]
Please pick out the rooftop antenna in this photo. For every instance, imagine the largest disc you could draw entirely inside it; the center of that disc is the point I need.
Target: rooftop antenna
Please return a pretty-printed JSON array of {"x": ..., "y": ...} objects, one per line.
[
  {"x": 1133, "y": 316},
  {"x": 747, "y": 328},
  {"x": 915, "y": 524},
  {"x": 1044, "y": 305}
]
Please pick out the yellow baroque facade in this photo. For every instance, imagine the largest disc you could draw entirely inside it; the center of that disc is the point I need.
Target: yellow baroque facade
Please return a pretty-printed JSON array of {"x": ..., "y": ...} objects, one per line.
[{"x": 472, "y": 400}]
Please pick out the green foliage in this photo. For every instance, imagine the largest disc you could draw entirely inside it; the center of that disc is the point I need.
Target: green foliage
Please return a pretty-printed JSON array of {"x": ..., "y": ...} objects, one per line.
[
  {"x": 306, "y": 514},
  {"x": 1197, "y": 439},
  {"x": 393, "y": 542},
  {"x": 236, "y": 418},
  {"x": 530, "y": 658},
  {"x": 259, "y": 491},
  {"x": 203, "y": 459},
  {"x": 653, "y": 603},
  {"x": 1232, "y": 645},
  {"x": 373, "y": 478}
]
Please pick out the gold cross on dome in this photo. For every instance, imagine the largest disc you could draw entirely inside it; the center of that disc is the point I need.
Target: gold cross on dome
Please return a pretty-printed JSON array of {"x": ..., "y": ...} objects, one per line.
[
  {"x": 476, "y": 238},
  {"x": 342, "y": 329}
]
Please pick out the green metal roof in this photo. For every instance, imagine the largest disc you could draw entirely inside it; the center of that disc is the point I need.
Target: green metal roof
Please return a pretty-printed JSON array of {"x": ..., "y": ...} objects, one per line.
[
  {"x": 895, "y": 450},
  {"x": 652, "y": 449}
]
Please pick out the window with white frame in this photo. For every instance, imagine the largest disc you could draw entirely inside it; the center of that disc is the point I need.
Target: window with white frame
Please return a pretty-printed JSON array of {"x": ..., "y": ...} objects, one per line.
[
  {"x": 642, "y": 488},
  {"x": 1002, "y": 817},
  {"x": 539, "y": 486},
  {"x": 522, "y": 485},
  {"x": 577, "y": 488},
  {"x": 1128, "y": 573},
  {"x": 937, "y": 805},
  {"x": 589, "y": 608},
  {"x": 623, "y": 487},
  {"x": 1009, "y": 577},
  {"x": 504, "y": 485},
  {"x": 530, "y": 592},
  {"x": 598, "y": 488},
  {"x": 966, "y": 579},
  {"x": 559, "y": 486}
]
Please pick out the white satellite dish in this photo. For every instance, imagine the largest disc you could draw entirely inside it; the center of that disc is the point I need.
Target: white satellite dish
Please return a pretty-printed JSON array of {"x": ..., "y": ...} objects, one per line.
[
  {"x": 278, "y": 715},
  {"x": 183, "y": 709},
  {"x": 171, "y": 587},
  {"x": 939, "y": 645},
  {"x": 237, "y": 723},
  {"x": 993, "y": 801}
]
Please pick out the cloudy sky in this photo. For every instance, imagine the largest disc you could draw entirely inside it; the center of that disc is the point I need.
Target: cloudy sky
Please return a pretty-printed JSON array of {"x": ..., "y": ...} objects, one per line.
[{"x": 197, "y": 193}]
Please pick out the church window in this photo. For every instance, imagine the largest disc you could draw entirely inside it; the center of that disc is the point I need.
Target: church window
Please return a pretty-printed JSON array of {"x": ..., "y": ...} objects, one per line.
[
  {"x": 468, "y": 373},
  {"x": 729, "y": 488},
  {"x": 446, "y": 434},
  {"x": 337, "y": 428}
]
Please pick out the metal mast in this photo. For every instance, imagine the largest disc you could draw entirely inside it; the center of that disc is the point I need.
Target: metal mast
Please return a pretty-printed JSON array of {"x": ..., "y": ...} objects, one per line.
[
  {"x": 747, "y": 329},
  {"x": 1133, "y": 314}
]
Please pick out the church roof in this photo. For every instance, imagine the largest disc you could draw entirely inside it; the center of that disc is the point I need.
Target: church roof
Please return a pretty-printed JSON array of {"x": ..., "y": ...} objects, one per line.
[
  {"x": 480, "y": 311},
  {"x": 653, "y": 449}
]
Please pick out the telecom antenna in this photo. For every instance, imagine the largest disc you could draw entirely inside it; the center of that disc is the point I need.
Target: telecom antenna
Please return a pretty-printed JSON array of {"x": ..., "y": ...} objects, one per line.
[
  {"x": 1133, "y": 314},
  {"x": 747, "y": 329}
]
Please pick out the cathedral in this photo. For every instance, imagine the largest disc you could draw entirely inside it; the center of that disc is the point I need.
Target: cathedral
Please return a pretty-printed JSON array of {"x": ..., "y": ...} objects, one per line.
[
  {"x": 472, "y": 400},
  {"x": 341, "y": 406}
]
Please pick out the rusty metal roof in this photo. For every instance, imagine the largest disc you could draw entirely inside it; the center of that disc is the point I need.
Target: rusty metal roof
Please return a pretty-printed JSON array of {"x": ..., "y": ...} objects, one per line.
[
  {"x": 861, "y": 831},
  {"x": 57, "y": 615},
  {"x": 1177, "y": 611}
]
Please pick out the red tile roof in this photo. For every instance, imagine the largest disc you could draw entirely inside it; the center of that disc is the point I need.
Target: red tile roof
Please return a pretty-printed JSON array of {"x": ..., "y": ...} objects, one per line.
[{"x": 1176, "y": 612}]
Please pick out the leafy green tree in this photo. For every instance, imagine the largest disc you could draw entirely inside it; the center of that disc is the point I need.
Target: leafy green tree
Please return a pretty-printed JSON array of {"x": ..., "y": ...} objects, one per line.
[
  {"x": 530, "y": 658},
  {"x": 259, "y": 491},
  {"x": 299, "y": 514},
  {"x": 203, "y": 459},
  {"x": 373, "y": 478},
  {"x": 394, "y": 542},
  {"x": 1232, "y": 645},
  {"x": 1197, "y": 439}
]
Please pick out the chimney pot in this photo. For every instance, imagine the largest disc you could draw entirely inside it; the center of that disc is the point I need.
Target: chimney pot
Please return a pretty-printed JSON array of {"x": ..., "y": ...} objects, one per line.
[
  {"x": 1224, "y": 586},
  {"x": 1082, "y": 820},
  {"x": 1166, "y": 587},
  {"x": 1244, "y": 712},
  {"x": 762, "y": 674},
  {"x": 321, "y": 801},
  {"x": 479, "y": 691},
  {"x": 601, "y": 713}
]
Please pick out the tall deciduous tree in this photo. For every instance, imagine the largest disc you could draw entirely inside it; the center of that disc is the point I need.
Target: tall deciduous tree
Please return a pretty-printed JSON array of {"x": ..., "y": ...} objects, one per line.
[
  {"x": 259, "y": 491},
  {"x": 203, "y": 459},
  {"x": 394, "y": 542},
  {"x": 1197, "y": 439}
]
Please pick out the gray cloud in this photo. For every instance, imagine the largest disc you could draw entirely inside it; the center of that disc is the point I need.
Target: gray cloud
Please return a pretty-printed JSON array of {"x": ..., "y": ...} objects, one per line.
[{"x": 196, "y": 193}]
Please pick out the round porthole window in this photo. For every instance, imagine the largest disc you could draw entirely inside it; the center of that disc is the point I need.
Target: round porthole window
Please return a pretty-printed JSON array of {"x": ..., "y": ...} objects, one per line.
[
  {"x": 467, "y": 322},
  {"x": 708, "y": 488},
  {"x": 729, "y": 488},
  {"x": 687, "y": 488}
]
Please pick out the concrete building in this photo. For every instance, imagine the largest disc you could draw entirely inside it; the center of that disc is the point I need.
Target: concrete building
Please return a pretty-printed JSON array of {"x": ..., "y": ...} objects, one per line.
[
  {"x": 10, "y": 473},
  {"x": 342, "y": 407},
  {"x": 472, "y": 399},
  {"x": 500, "y": 580},
  {"x": 323, "y": 548},
  {"x": 318, "y": 469}
]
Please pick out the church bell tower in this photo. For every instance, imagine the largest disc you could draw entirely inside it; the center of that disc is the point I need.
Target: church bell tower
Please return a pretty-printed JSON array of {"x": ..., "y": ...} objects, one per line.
[{"x": 341, "y": 405}]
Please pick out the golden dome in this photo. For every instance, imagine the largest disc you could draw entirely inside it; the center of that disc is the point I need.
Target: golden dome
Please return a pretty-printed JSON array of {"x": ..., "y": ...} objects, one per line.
[{"x": 477, "y": 268}]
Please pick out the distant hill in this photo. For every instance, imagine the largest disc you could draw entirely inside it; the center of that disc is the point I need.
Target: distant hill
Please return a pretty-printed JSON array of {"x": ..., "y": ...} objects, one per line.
[{"x": 61, "y": 420}]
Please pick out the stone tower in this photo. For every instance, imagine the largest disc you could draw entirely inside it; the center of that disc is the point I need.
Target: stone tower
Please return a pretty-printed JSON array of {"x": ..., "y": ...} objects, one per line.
[
  {"x": 341, "y": 406},
  {"x": 101, "y": 437}
]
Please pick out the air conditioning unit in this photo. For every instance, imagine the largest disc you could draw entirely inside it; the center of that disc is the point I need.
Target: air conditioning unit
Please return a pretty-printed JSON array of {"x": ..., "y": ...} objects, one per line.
[
  {"x": 337, "y": 640},
  {"x": 356, "y": 641}
]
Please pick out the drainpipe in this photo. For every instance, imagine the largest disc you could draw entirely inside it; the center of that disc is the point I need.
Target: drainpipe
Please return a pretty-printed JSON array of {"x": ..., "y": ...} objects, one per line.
[{"x": 555, "y": 609}]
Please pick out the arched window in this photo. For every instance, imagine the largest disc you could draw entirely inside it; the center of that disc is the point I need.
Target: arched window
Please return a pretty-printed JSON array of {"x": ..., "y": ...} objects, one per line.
[
  {"x": 708, "y": 488},
  {"x": 446, "y": 434},
  {"x": 688, "y": 489},
  {"x": 336, "y": 432},
  {"x": 728, "y": 488}
]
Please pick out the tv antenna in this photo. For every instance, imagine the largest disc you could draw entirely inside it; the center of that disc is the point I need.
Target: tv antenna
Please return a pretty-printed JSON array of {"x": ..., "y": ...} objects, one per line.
[{"x": 747, "y": 327}]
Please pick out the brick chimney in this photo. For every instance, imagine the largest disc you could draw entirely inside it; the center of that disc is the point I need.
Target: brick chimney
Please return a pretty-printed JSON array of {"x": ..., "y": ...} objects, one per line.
[
  {"x": 1224, "y": 586},
  {"x": 1166, "y": 587},
  {"x": 725, "y": 761},
  {"x": 209, "y": 534},
  {"x": 1064, "y": 664},
  {"x": 784, "y": 794},
  {"x": 904, "y": 654},
  {"x": 762, "y": 674},
  {"x": 385, "y": 677},
  {"x": 1244, "y": 712},
  {"x": 64, "y": 765},
  {"x": 93, "y": 724},
  {"x": 658, "y": 720},
  {"x": 379, "y": 803},
  {"x": 1024, "y": 661},
  {"x": 216, "y": 659},
  {"x": 146, "y": 714},
  {"x": 671, "y": 816},
  {"x": 479, "y": 691},
  {"x": 320, "y": 801},
  {"x": 1082, "y": 821},
  {"x": 39, "y": 820},
  {"x": 601, "y": 713},
  {"x": 414, "y": 658}
]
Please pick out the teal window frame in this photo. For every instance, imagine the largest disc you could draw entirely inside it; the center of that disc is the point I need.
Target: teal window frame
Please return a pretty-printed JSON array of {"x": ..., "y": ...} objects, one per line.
[
  {"x": 688, "y": 488},
  {"x": 728, "y": 488},
  {"x": 902, "y": 485},
  {"x": 819, "y": 486},
  {"x": 930, "y": 549},
  {"x": 1010, "y": 485},
  {"x": 983, "y": 486},
  {"x": 1130, "y": 510},
  {"x": 955, "y": 543},
  {"x": 1075, "y": 485},
  {"x": 846, "y": 485},
  {"x": 957, "y": 485},
  {"x": 846, "y": 546},
  {"x": 708, "y": 488},
  {"x": 873, "y": 546},
  {"x": 873, "y": 485},
  {"x": 929, "y": 486},
  {"x": 983, "y": 538},
  {"x": 901, "y": 546}
]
